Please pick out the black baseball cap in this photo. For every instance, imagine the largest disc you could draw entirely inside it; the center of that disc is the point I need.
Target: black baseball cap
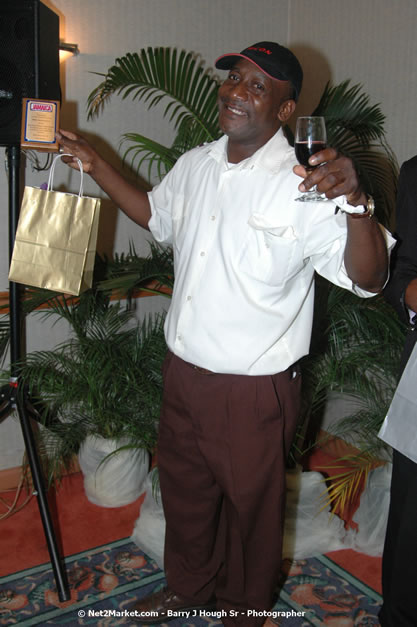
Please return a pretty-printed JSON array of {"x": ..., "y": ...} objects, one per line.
[{"x": 273, "y": 59}]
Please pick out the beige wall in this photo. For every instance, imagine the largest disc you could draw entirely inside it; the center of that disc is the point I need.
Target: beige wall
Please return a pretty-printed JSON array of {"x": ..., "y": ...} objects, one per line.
[
  {"x": 373, "y": 42},
  {"x": 370, "y": 41}
]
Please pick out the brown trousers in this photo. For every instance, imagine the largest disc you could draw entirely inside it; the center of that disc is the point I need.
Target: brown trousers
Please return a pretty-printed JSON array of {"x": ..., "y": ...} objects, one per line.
[{"x": 223, "y": 442}]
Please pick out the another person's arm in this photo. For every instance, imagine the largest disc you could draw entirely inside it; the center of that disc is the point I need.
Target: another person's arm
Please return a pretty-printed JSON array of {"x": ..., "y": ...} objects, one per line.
[
  {"x": 410, "y": 295},
  {"x": 401, "y": 290},
  {"x": 132, "y": 201},
  {"x": 366, "y": 257}
]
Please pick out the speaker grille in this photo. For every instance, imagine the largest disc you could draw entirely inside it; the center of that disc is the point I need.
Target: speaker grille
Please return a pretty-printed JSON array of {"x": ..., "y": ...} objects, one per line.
[
  {"x": 29, "y": 61},
  {"x": 11, "y": 88}
]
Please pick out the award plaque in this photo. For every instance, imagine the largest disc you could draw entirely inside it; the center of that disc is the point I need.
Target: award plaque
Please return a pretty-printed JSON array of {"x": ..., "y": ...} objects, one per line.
[{"x": 40, "y": 122}]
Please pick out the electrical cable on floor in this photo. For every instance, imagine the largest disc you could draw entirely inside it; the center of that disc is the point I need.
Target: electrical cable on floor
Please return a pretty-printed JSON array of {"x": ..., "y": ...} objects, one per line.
[{"x": 24, "y": 483}]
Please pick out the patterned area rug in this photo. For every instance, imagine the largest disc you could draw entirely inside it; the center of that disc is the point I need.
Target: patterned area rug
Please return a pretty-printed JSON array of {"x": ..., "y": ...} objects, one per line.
[{"x": 106, "y": 581}]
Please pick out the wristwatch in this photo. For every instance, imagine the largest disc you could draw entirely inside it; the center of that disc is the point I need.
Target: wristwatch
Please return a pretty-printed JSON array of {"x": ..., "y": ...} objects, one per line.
[{"x": 368, "y": 209}]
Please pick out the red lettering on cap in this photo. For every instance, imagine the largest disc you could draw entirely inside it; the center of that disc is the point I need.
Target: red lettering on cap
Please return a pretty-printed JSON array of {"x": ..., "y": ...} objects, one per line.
[{"x": 260, "y": 49}]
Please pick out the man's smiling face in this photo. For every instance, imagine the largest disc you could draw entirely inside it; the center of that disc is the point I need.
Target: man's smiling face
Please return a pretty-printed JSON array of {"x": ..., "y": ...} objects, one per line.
[{"x": 252, "y": 105}]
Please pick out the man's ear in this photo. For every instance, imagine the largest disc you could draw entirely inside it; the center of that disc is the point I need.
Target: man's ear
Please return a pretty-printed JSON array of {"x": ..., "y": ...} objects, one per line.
[{"x": 286, "y": 110}]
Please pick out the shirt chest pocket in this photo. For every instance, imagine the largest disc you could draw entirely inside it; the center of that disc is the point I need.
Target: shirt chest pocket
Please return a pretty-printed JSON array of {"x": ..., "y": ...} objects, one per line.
[{"x": 270, "y": 255}]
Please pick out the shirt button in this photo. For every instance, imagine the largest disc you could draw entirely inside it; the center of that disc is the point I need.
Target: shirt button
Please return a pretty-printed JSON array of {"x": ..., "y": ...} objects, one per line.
[
  {"x": 179, "y": 338},
  {"x": 202, "y": 254},
  {"x": 188, "y": 297},
  {"x": 212, "y": 217}
]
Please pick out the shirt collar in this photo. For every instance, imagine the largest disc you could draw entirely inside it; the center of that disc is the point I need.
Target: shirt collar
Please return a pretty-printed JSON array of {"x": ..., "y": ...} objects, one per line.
[{"x": 268, "y": 157}]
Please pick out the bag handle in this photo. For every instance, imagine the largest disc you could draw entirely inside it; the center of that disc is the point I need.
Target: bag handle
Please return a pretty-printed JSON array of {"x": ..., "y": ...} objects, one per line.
[{"x": 52, "y": 170}]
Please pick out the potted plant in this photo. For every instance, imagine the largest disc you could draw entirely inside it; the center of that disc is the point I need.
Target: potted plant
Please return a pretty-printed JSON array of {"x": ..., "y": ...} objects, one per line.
[
  {"x": 100, "y": 388},
  {"x": 355, "y": 354}
]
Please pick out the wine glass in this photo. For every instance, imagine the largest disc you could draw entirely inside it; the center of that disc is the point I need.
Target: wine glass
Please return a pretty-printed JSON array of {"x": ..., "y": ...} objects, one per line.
[{"x": 310, "y": 137}]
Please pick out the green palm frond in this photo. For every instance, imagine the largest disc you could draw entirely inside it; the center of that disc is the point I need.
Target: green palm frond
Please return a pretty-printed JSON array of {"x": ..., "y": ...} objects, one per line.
[
  {"x": 145, "y": 150},
  {"x": 348, "y": 109},
  {"x": 178, "y": 80},
  {"x": 34, "y": 298},
  {"x": 37, "y": 297},
  {"x": 128, "y": 272},
  {"x": 81, "y": 313}
]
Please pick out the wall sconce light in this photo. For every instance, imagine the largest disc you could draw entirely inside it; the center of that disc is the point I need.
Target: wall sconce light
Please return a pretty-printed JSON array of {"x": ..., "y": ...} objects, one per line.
[{"x": 67, "y": 50}]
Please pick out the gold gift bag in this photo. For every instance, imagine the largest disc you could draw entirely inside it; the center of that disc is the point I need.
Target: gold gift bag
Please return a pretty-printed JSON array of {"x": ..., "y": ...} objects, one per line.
[{"x": 56, "y": 239}]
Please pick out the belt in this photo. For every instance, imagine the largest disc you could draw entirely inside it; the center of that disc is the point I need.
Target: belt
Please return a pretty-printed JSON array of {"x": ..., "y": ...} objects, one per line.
[
  {"x": 294, "y": 370},
  {"x": 201, "y": 370}
]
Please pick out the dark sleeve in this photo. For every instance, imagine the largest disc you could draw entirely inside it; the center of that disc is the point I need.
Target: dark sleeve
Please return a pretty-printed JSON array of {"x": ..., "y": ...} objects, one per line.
[{"x": 404, "y": 258}]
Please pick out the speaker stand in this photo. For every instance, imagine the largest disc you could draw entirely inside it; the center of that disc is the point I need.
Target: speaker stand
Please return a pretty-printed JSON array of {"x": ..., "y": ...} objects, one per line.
[{"x": 12, "y": 396}]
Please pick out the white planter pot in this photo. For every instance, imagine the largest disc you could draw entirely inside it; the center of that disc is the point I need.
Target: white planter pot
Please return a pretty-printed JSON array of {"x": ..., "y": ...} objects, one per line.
[
  {"x": 308, "y": 530},
  {"x": 149, "y": 530},
  {"x": 112, "y": 480}
]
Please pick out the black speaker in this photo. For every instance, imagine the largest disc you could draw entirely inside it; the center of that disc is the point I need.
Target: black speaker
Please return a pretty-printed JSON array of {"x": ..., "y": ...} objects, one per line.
[{"x": 29, "y": 61}]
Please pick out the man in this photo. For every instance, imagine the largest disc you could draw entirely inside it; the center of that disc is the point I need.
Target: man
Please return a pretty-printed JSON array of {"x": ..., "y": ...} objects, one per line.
[
  {"x": 400, "y": 549},
  {"x": 245, "y": 253}
]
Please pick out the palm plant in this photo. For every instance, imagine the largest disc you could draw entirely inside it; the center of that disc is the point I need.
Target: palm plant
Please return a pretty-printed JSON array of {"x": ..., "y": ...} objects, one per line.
[
  {"x": 127, "y": 273},
  {"x": 160, "y": 75},
  {"x": 105, "y": 380},
  {"x": 363, "y": 342},
  {"x": 355, "y": 353}
]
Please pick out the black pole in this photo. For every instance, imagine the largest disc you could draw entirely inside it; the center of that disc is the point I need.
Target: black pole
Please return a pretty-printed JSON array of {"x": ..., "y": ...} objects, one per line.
[
  {"x": 16, "y": 399},
  {"x": 13, "y": 164}
]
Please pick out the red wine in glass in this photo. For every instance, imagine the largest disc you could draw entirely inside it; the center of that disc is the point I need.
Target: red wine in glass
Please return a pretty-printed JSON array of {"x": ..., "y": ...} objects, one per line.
[
  {"x": 304, "y": 150},
  {"x": 310, "y": 137}
]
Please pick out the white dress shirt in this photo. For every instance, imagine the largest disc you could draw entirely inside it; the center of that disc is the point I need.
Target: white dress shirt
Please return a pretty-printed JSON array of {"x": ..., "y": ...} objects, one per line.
[{"x": 245, "y": 253}]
